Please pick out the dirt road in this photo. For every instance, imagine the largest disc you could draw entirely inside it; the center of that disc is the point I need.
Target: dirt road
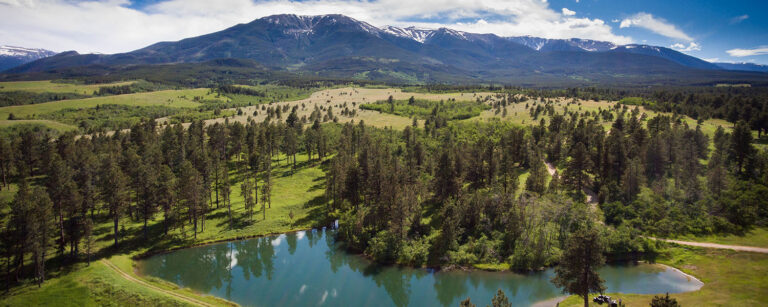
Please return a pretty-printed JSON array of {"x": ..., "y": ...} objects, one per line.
[
  {"x": 719, "y": 246},
  {"x": 132, "y": 279},
  {"x": 591, "y": 195}
]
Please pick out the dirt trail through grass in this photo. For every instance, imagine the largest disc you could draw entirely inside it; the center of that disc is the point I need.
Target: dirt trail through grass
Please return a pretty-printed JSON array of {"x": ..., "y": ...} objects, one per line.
[
  {"x": 591, "y": 195},
  {"x": 718, "y": 246},
  {"x": 145, "y": 284}
]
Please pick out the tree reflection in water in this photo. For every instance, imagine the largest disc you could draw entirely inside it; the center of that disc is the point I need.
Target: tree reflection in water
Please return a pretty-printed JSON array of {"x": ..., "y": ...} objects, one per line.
[{"x": 309, "y": 268}]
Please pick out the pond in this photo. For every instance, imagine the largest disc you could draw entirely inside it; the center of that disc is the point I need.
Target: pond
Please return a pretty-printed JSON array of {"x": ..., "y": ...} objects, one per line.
[{"x": 308, "y": 268}]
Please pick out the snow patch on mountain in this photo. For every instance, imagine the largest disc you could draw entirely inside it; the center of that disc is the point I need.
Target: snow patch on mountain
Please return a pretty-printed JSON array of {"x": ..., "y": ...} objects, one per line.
[
  {"x": 12, "y": 51},
  {"x": 418, "y": 34},
  {"x": 549, "y": 44}
]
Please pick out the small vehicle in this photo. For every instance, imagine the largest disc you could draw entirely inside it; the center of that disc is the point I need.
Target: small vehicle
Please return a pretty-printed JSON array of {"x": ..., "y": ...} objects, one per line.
[{"x": 600, "y": 299}]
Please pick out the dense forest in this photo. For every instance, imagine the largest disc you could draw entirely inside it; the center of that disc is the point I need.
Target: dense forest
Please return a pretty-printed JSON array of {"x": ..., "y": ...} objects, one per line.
[
  {"x": 440, "y": 193},
  {"x": 448, "y": 194}
]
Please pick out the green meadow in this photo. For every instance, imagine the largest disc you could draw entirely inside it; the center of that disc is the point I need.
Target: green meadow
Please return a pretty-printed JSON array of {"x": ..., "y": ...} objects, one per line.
[
  {"x": 169, "y": 98},
  {"x": 55, "y": 87}
]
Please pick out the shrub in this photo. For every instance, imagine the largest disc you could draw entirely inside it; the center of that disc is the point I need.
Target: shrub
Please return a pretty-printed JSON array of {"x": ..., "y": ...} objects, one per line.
[{"x": 664, "y": 301}]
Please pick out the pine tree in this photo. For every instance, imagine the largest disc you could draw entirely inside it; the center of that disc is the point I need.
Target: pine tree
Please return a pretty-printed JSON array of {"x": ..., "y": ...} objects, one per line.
[
  {"x": 741, "y": 145},
  {"x": 18, "y": 226},
  {"x": 6, "y": 160},
  {"x": 148, "y": 193},
  {"x": 576, "y": 171},
  {"x": 266, "y": 188},
  {"x": 166, "y": 196},
  {"x": 537, "y": 180},
  {"x": 632, "y": 179},
  {"x": 40, "y": 228},
  {"x": 577, "y": 271},
  {"x": 500, "y": 300},
  {"x": 114, "y": 186},
  {"x": 245, "y": 191},
  {"x": 89, "y": 239},
  {"x": 191, "y": 191}
]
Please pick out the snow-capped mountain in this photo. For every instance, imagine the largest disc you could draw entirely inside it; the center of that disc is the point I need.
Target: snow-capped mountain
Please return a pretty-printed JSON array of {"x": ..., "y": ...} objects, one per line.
[
  {"x": 572, "y": 44},
  {"x": 340, "y": 46},
  {"x": 11, "y": 56}
]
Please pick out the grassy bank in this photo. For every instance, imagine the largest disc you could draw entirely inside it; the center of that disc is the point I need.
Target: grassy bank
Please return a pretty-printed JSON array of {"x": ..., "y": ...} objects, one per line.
[
  {"x": 300, "y": 191},
  {"x": 730, "y": 278}
]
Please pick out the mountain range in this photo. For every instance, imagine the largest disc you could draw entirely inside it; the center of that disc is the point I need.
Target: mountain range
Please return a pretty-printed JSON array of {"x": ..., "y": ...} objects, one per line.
[
  {"x": 340, "y": 46},
  {"x": 11, "y": 56}
]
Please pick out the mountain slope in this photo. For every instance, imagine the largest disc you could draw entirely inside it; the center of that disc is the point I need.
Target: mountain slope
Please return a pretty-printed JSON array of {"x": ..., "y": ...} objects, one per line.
[
  {"x": 743, "y": 66},
  {"x": 11, "y": 56},
  {"x": 339, "y": 46}
]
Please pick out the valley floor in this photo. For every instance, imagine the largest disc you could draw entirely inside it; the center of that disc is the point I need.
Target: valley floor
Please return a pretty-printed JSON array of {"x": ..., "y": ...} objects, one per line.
[{"x": 730, "y": 277}]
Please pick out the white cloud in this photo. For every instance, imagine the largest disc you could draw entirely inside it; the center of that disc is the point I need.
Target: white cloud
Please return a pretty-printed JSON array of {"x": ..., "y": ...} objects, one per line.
[
  {"x": 692, "y": 46},
  {"x": 712, "y": 60},
  {"x": 568, "y": 12},
  {"x": 739, "y": 19},
  {"x": 112, "y": 26},
  {"x": 655, "y": 25},
  {"x": 762, "y": 50}
]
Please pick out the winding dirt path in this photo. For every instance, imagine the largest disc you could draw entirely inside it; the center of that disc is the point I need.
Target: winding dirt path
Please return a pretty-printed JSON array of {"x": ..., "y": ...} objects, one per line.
[
  {"x": 591, "y": 195},
  {"x": 718, "y": 246},
  {"x": 135, "y": 280}
]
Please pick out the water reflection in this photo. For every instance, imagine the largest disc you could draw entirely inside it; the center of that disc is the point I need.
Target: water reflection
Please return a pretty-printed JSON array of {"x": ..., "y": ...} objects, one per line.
[{"x": 308, "y": 268}]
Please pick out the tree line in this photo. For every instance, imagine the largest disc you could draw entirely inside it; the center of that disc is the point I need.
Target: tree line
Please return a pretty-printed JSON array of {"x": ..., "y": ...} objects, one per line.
[
  {"x": 67, "y": 184},
  {"x": 454, "y": 194}
]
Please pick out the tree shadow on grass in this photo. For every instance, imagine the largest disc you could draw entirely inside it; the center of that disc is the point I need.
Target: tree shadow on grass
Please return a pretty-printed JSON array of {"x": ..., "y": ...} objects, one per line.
[{"x": 317, "y": 214}]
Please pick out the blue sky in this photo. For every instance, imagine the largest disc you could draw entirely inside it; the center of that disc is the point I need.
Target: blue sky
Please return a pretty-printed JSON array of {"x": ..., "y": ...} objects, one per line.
[
  {"x": 729, "y": 31},
  {"x": 716, "y": 26}
]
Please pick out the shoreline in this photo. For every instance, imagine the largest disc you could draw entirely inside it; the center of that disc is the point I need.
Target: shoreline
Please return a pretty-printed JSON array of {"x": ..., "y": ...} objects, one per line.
[{"x": 448, "y": 268}]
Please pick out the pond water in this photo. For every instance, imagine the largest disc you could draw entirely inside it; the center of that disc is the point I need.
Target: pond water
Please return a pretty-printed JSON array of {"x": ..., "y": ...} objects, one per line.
[{"x": 308, "y": 268}]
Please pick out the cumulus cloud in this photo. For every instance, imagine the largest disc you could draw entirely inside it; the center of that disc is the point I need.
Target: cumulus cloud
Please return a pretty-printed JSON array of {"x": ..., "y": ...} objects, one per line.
[
  {"x": 655, "y": 25},
  {"x": 692, "y": 46},
  {"x": 568, "y": 12},
  {"x": 114, "y": 26},
  {"x": 762, "y": 50},
  {"x": 739, "y": 19}
]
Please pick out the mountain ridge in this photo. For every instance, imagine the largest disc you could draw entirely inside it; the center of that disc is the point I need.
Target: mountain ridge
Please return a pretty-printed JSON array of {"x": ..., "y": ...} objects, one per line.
[
  {"x": 322, "y": 44},
  {"x": 12, "y": 56}
]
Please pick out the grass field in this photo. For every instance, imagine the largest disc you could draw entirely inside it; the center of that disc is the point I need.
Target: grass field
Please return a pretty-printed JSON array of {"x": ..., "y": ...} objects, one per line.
[
  {"x": 730, "y": 279},
  {"x": 300, "y": 192},
  {"x": 170, "y": 98},
  {"x": 55, "y": 87},
  {"x": 352, "y": 98},
  {"x": 61, "y": 127},
  {"x": 94, "y": 285},
  {"x": 518, "y": 114}
]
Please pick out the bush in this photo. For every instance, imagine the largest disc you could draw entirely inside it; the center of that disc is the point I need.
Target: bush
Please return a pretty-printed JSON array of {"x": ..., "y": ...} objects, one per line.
[
  {"x": 414, "y": 252},
  {"x": 664, "y": 301},
  {"x": 462, "y": 257},
  {"x": 383, "y": 247}
]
